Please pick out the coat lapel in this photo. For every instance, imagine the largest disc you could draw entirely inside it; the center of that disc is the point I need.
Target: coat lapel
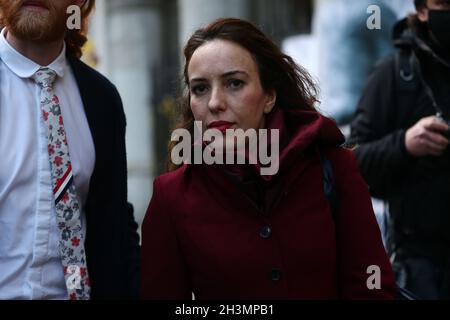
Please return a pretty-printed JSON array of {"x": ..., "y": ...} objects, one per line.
[{"x": 88, "y": 97}]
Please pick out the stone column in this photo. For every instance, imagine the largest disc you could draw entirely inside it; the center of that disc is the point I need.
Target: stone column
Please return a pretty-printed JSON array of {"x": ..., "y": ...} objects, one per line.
[
  {"x": 196, "y": 13},
  {"x": 98, "y": 33},
  {"x": 134, "y": 33}
]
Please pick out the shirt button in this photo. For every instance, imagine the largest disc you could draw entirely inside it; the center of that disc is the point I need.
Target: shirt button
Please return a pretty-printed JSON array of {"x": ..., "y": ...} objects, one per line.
[
  {"x": 275, "y": 275},
  {"x": 265, "y": 232}
]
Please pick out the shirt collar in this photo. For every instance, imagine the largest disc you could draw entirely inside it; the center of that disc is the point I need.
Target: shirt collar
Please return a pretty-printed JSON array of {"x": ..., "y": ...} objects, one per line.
[{"x": 24, "y": 67}]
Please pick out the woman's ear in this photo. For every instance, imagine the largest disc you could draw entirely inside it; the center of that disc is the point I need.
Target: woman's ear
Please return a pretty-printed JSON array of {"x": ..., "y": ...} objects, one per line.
[{"x": 271, "y": 99}]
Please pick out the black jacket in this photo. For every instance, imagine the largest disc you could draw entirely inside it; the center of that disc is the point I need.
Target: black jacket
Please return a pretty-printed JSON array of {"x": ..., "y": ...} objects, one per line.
[
  {"x": 112, "y": 242},
  {"x": 418, "y": 190}
]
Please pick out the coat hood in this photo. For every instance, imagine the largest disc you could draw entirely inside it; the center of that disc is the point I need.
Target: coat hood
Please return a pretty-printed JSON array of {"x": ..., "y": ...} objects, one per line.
[{"x": 302, "y": 131}]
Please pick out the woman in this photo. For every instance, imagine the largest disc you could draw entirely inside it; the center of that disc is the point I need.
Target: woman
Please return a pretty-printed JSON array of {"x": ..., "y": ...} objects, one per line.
[{"x": 228, "y": 232}]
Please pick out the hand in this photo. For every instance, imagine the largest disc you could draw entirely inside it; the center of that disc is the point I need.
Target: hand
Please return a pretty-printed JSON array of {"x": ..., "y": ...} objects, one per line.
[{"x": 426, "y": 137}]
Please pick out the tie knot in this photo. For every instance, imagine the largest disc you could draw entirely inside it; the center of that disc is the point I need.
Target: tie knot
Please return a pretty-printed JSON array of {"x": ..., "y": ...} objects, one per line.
[{"x": 45, "y": 77}]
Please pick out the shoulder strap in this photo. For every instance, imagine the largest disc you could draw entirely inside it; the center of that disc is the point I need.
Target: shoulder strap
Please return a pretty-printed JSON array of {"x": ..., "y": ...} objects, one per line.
[
  {"x": 406, "y": 73},
  {"x": 330, "y": 191},
  {"x": 409, "y": 78},
  {"x": 329, "y": 186}
]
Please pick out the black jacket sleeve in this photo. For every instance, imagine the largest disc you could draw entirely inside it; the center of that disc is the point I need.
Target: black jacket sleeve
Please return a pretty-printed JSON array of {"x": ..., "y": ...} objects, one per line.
[{"x": 378, "y": 140}]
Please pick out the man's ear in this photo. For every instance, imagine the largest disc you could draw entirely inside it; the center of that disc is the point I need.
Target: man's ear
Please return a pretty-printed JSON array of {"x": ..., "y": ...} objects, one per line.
[
  {"x": 270, "y": 102},
  {"x": 422, "y": 14}
]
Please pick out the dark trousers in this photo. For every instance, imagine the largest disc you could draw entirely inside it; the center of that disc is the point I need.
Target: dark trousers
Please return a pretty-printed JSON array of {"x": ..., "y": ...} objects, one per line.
[{"x": 427, "y": 279}]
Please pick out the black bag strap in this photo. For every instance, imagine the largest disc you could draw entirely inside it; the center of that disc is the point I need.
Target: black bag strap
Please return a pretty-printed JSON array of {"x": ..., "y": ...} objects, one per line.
[
  {"x": 329, "y": 188},
  {"x": 409, "y": 78}
]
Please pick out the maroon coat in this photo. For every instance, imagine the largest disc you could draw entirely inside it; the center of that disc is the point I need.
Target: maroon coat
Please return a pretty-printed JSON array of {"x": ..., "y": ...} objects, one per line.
[{"x": 204, "y": 233}]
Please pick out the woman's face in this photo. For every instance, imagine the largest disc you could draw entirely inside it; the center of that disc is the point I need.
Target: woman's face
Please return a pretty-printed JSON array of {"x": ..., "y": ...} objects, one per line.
[{"x": 225, "y": 88}]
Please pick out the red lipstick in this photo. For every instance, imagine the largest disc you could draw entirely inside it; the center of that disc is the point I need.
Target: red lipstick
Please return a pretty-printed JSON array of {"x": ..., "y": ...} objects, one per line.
[{"x": 220, "y": 125}]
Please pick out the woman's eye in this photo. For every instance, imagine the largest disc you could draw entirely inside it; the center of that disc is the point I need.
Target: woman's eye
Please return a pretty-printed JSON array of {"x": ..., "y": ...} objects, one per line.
[
  {"x": 198, "y": 89},
  {"x": 235, "y": 84}
]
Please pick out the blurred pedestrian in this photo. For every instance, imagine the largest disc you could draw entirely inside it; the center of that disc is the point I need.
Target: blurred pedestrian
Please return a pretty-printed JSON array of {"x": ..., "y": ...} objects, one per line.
[{"x": 401, "y": 133}]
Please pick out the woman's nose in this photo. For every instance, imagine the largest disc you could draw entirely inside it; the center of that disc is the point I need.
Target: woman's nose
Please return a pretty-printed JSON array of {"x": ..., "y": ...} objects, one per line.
[{"x": 217, "y": 102}]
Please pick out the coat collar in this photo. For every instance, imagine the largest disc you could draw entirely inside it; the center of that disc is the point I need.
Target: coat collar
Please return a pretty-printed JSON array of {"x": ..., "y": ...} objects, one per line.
[{"x": 301, "y": 132}]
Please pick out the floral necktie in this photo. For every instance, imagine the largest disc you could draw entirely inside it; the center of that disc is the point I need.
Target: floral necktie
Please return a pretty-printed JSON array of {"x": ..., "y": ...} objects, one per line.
[{"x": 67, "y": 204}]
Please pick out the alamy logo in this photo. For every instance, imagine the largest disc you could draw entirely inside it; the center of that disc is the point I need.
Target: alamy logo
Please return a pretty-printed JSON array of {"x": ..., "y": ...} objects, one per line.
[
  {"x": 374, "y": 20},
  {"x": 231, "y": 146},
  {"x": 374, "y": 280},
  {"x": 73, "y": 281},
  {"x": 74, "y": 19}
]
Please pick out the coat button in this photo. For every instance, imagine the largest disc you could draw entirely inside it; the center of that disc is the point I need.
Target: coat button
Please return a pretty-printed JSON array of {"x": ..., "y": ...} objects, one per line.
[
  {"x": 275, "y": 274},
  {"x": 265, "y": 232}
]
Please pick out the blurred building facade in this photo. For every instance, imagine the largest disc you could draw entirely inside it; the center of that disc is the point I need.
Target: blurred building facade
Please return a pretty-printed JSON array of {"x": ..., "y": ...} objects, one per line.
[
  {"x": 138, "y": 45},
  {"x": 341, "y": 50}
]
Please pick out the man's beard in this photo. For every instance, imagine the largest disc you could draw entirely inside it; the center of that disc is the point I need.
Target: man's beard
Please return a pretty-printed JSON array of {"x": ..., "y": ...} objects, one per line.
[{"x": 33, "y": 25}]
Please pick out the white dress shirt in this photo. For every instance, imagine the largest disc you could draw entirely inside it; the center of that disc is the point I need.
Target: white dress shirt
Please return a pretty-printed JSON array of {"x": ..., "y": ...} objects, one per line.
[{"x": 30, "y": 263}]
